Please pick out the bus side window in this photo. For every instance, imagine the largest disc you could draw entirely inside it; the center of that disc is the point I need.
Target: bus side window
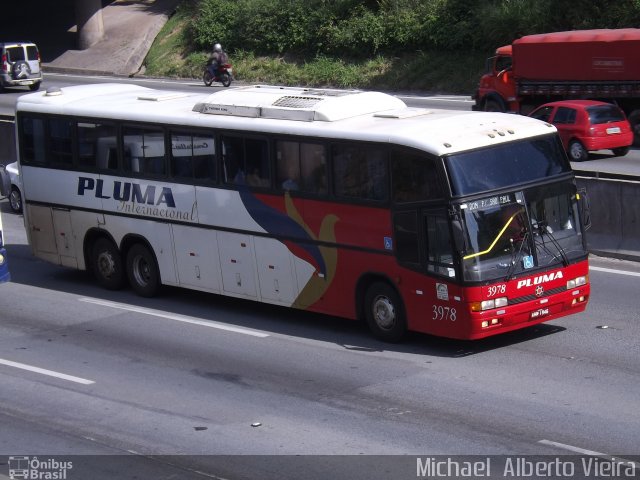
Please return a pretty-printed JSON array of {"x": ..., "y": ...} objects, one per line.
[
  {"x": 204, "y": 157},
  {"x": 97, "y": 146},
  {"x": 439, "y": 245},
  {"x": 61, "y": 141},
  {"x": 288, "y": 165},
  {"x": 147, "y": 150},
  {"x": 314, "y": 168},
  {"x": 406, "y": 241},
  {"x": 192, "y": 156},
  {"x": 233, "y": 160},
  {"x": 257, "y": 163},
  {"x": 33, "y": 145},
  {"x": 360, "y": 171},
  {"x": 301, "y": 166},
  {"x": 246, "y": 161},
  {"x": 414, "y": 177}
]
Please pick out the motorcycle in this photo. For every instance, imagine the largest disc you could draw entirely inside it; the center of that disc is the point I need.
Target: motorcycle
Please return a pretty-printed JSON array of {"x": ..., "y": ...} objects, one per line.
[{"x": 224, "y": 75}]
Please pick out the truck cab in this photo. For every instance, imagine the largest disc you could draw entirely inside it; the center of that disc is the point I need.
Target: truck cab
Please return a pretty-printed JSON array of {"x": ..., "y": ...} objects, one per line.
[{"x": 497, "y": 90}]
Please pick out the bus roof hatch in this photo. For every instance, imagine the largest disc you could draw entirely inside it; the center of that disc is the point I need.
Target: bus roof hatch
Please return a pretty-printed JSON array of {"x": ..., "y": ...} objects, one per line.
[{"x": 292, "y": 103}]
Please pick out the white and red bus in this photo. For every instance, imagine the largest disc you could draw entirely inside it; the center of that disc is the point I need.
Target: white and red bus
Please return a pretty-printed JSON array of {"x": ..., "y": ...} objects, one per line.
[{"x": 349, "y": 203}]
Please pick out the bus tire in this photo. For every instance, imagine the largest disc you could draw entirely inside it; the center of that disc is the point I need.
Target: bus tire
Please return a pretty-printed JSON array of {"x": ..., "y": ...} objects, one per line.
[
  {"x": 106, "y": 263},
  {"x": 384, "y": 312},
  {"x": 142, "y": 271}
]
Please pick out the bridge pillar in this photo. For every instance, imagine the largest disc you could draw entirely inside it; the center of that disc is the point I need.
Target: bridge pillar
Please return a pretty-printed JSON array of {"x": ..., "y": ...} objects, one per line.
[{"x": 89, "y": 20}]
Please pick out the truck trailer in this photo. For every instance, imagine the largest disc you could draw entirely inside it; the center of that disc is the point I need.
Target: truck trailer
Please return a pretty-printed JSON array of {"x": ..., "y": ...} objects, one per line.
[{"x": 597, "y": 64}]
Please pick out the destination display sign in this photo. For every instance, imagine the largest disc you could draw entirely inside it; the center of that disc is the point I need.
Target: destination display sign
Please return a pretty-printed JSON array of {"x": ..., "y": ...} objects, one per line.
[{"x": 488, "y": 202}]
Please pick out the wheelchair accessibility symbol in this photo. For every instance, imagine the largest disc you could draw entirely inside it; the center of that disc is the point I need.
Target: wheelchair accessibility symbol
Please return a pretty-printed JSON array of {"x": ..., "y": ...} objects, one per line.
[{"x": 527, "y": 262}]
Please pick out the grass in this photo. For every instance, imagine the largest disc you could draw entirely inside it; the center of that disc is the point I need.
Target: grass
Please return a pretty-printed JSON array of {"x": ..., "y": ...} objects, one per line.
[{"x": 436, "y": 72}]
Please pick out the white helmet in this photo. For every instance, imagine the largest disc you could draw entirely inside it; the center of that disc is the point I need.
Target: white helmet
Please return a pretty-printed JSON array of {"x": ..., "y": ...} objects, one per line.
[{"x": 217, "y": 47}]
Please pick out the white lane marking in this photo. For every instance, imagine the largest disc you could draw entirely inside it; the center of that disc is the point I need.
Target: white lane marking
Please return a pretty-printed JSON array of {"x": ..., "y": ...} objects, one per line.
[
  {"x": 176, "y": 317},
  {"x": 591, "y": 453},
  {"x": 571, "y": 448},
  {"x": 611, "y": 270},
  {"x": 44, "y": 371}
]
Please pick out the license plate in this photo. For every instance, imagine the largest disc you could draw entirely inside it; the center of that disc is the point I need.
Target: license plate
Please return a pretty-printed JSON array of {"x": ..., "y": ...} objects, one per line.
[
  {"x": 613, "y": 130},
  {"x": 541, "y": 312}
]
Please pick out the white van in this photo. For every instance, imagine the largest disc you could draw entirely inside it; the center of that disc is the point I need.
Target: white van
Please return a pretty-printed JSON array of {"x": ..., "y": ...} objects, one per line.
[{"x": 20, "y": 65}]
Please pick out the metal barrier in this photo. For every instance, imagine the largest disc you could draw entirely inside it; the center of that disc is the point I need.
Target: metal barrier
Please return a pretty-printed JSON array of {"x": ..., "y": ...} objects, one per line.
[{"x": 615, "y": 216}]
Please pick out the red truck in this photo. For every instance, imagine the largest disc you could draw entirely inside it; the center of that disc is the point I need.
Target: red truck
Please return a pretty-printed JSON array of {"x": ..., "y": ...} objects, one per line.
[{"x": 592, "y": 64}]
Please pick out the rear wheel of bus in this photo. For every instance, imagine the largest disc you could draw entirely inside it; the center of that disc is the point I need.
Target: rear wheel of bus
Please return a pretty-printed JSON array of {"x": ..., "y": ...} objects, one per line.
[
  {"x": 142, "y": 271},
  {"x": 385, "y": 313},
  {"x": 107, "y": 264}
]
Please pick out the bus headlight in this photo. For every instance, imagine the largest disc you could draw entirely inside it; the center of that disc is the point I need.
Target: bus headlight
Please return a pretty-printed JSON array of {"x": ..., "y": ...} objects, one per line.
[
  {"x": 577, "y": 282},
  {"x": 1, "y": 259},
  {"x": 489, "y": 304}
]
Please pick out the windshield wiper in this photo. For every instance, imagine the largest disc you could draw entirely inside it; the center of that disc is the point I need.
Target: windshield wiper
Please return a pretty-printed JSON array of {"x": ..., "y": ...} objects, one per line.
[
  {"x": 517, "y": 254},
  {"x": 544, "y": 228}
]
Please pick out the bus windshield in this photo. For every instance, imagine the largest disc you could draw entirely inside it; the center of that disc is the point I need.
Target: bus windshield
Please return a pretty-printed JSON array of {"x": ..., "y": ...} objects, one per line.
[
  {"x": 509, "y": 234},
  {"x": 505, "y": 165}
]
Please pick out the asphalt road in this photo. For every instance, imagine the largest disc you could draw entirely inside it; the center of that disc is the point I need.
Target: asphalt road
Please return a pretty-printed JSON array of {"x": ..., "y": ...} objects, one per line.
[{"x": 175, "y": 386}]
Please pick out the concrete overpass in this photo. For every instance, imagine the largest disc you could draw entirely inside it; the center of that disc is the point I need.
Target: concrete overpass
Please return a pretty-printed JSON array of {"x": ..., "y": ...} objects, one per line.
[{"x": 92, "y": 36}]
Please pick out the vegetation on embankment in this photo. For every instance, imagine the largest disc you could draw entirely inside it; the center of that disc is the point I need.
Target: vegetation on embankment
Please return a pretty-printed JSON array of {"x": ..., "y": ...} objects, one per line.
[{"x": 426, "y": 45}]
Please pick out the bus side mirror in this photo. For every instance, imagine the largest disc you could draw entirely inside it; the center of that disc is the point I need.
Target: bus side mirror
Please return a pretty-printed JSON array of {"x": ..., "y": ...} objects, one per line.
[
  {"x": 5, "y": 182},
  {"x": 584, "y": 208}
]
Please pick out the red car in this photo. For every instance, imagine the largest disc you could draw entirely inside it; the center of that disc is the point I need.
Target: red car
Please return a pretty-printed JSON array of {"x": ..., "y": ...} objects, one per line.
[{"x": 587, "y": 125}]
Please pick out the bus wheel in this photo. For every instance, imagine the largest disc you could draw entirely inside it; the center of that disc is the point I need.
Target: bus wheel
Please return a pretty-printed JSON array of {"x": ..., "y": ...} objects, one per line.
[
  {"x": 107, "y": 264},
  {"x": 384, "y": 312},
  {"x": 142, "y": 270}
]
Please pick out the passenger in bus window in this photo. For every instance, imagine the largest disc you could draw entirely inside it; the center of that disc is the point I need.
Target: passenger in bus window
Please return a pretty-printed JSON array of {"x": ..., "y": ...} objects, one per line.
[
  {"x": 313, "y": 168},
  {"x": 292, "y": 178},
  {"x": 254, "y": 179},
  {"x": 316, "y": 181}
]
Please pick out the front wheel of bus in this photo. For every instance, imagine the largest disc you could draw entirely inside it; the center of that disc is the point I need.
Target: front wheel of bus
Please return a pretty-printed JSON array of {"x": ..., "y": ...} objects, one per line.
[
  {"x": 142, "y": 270},
  {"x": 107, "y": 264},
  {"x": 385, "y": 313}
]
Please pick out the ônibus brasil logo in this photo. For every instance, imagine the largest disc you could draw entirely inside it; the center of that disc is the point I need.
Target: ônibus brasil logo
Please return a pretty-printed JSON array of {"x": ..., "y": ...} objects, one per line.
[{"x": 33, "y": 468}]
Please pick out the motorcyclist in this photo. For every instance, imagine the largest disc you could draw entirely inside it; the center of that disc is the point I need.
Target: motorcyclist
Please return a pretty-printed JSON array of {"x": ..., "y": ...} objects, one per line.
[{"x": 217, "y": 58}]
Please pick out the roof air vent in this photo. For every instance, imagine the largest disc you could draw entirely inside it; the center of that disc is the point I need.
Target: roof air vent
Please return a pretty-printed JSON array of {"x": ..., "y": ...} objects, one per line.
[{"x": 291, "y": 101}]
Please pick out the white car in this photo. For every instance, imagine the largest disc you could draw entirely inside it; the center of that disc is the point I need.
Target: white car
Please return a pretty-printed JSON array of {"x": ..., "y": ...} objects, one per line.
[
  {"x": 20, "y": 65},
  {"x": 14, "y": 194}
]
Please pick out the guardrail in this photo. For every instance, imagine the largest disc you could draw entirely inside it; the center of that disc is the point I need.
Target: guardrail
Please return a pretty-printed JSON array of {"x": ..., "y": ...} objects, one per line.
[{"x": 615, "y": 214}]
